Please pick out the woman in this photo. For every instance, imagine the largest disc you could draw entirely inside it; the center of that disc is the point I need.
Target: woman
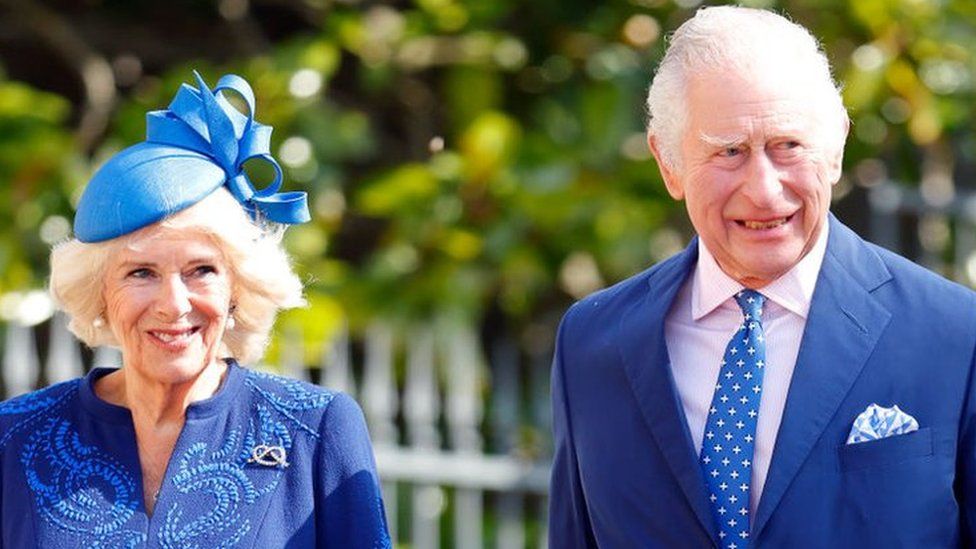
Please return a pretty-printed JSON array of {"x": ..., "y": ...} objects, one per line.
[{"x": 177, "y": 261}]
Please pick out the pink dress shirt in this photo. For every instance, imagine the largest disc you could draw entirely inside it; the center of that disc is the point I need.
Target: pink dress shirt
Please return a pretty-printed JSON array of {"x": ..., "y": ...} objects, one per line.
[{"x": 702, "y": 320}]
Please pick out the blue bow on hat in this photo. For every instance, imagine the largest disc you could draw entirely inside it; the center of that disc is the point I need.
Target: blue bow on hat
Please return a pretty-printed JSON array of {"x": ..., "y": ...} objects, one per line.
[{"x": 200, "y": 143}]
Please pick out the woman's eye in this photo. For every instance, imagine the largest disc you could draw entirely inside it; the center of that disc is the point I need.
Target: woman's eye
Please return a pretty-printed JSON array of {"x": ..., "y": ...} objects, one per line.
[
  {"x": 139, "y": 273},
  {"x": 204, "y": 270}
]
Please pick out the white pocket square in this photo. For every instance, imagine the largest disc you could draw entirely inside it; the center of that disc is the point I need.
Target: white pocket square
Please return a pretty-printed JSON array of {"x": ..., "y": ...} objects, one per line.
[{"x": 879, "y": 422}]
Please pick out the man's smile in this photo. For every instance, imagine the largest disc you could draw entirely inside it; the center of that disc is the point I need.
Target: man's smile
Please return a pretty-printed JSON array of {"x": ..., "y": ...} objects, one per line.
[{"x": 763, "y": 224}]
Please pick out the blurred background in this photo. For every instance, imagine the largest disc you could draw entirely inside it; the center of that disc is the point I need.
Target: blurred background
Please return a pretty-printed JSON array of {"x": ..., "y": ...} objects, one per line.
[{"x": 474, "y": 166}]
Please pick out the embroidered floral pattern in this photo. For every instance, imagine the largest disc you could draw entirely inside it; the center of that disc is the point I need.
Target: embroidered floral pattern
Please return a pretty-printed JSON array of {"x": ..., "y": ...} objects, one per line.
[
  {"x": 84, "y": 492},
  {"x": 225, "y": 476},
  {"x": 35, "y": 405},
  {"x": 298, "y": 397},
  {"x": 227, "y": 485},
  {"x": 78, "y": 487}
]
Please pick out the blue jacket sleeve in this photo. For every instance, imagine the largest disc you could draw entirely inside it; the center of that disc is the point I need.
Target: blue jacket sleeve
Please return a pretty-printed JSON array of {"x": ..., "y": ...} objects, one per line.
[
  {"x": 1, "y": 502},
  {"x": 965, "y": 486},
  {"x": 349, "y": 509},
  {"x": 569, "y": 524}
]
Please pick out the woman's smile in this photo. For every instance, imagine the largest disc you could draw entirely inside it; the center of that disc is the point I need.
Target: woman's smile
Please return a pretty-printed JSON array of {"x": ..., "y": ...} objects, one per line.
[
  {"x": 167, "y": 297},
  {"x": 173, "y": 339}
]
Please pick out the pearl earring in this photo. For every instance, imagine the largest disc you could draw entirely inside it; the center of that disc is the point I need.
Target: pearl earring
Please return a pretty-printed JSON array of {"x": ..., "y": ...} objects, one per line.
[
  {"x": 229, "y": 325},
  {"x": 99, "y": 321}
]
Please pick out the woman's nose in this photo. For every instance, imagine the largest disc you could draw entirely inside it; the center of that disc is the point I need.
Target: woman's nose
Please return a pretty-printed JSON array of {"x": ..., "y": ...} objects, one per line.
[{"x": 173, "y": 300}]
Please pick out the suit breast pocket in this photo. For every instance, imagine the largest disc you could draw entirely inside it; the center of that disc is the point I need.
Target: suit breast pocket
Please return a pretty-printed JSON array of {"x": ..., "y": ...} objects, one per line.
[{"x": 888, "y": 451}]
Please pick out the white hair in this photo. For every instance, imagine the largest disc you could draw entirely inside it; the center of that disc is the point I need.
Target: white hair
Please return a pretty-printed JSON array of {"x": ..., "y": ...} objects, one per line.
[
  {"x": 732, "y": 38},
  {"x": 263, "y": 280}
]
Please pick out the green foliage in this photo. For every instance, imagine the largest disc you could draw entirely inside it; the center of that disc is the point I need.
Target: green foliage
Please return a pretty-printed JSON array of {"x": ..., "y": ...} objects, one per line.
[
  {"x": 38, "y": 167},
  {"x": 465, "y": 157}
]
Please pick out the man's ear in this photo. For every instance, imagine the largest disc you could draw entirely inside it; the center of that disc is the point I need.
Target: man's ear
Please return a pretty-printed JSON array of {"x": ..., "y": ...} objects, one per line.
[
  {"x": 671, "y": 182},
  {"x": 836, "y": 161}
]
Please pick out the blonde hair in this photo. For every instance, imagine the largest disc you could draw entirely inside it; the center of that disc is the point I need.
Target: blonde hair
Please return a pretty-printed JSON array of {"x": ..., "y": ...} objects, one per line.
[{"x": 263, "y": 280}]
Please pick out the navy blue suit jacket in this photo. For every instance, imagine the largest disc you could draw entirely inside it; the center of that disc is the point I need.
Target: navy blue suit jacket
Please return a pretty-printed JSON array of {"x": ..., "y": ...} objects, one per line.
[{"x": 880, "y": 330}]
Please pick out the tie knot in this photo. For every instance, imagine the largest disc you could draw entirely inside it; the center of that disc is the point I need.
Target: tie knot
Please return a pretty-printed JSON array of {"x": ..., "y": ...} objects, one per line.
[{"x": 751, "y": 303}]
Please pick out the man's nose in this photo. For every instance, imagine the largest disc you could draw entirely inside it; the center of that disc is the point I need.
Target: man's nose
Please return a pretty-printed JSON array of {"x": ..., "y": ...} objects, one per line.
[
  {"x": 762, "y": 185},
  {"x": 173, "y": 300}
]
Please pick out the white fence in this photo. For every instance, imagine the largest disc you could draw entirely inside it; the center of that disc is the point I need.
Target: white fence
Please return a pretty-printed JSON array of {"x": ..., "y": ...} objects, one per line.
[{"x": 461, "y": 442}]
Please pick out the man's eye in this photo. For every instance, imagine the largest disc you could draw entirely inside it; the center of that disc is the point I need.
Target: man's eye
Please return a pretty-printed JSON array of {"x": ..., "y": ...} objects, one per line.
[
  {"x": 788, "y": 145},
  {"x": 730, "y": 152}
]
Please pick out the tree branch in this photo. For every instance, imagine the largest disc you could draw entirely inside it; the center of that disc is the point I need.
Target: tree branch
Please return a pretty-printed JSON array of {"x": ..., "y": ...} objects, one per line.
[{"x": 93, "y": 70}]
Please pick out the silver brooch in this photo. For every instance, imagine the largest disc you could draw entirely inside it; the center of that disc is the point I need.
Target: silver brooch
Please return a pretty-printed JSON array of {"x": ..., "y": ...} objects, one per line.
[{"x": 268, "y": 456}]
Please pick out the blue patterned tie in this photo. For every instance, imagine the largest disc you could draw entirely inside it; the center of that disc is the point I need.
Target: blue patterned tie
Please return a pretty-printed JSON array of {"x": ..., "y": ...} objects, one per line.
[{"x": 730, "y": 431}]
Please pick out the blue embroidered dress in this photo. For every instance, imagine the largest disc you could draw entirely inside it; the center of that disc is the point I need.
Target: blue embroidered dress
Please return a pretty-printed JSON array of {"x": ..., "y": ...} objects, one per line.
[{"x": 71, "y": 475}]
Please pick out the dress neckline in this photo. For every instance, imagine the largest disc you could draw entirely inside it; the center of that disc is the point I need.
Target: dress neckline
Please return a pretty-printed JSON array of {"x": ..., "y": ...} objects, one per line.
[{"x": 113, "y": 413}]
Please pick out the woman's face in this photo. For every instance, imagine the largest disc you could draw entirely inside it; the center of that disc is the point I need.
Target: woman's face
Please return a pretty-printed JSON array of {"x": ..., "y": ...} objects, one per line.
[{"x": 167, "y": 296}]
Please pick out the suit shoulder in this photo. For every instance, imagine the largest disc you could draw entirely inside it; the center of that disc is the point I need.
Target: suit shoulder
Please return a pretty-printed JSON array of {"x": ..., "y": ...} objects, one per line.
[
  {"x": 19, "y": 413},
  {"x": 610, "y": 300},
  {"x": 915, "y": 291},
  {"x": 922, "y": 280},
  {"x": 293, "y": 397},
  {"x": 288, "y": 394},
  {"x": 42, "y": 399}
]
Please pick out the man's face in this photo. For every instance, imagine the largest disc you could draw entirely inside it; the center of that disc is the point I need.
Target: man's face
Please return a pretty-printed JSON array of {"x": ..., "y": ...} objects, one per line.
[{"x": 757, "y": 161}]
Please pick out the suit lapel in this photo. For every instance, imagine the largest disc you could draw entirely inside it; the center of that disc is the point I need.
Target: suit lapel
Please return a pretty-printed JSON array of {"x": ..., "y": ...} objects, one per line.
[
  {"x": 644, "y": 353},
  {"x": 843, "y": 326}
]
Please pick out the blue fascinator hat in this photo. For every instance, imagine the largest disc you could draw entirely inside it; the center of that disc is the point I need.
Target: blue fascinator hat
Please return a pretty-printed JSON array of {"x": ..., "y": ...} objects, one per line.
[{"x": 197, "y": 145}]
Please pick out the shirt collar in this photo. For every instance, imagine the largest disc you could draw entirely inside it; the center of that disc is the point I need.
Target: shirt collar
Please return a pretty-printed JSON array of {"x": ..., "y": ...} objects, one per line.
[{"x": 793, "y": 291}]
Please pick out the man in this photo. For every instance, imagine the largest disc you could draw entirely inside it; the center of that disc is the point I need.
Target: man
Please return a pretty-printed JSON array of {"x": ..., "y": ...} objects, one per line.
[{"x": 781, "y": 382}]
